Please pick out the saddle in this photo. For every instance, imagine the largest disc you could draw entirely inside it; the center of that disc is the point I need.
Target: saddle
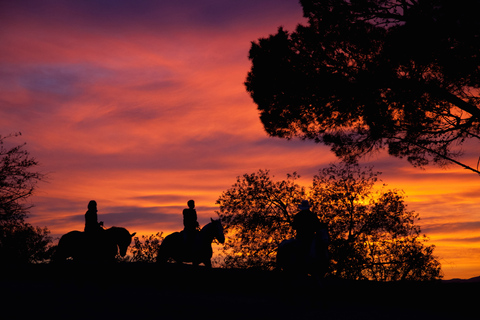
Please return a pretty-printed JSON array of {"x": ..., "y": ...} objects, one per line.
[
  {"x": 94, "y": 237},
  {"x": 189, "y": 240},
  {"x": 189, "y": 236}
]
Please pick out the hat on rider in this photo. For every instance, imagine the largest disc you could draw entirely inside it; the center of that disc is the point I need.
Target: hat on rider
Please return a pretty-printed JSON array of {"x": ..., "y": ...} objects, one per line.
[{"x": 304, "y": 205}]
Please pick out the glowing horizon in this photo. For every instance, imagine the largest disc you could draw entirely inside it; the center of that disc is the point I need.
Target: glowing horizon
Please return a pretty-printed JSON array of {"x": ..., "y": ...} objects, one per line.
[{"x": 143, "y": 107}]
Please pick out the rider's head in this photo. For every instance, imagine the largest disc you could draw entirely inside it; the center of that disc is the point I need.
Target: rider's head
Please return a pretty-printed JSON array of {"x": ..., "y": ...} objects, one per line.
[
  {"x": 304, "y": 205},
  {"x": 191, "y": 204},
  {"x": 92, "y": 205}
]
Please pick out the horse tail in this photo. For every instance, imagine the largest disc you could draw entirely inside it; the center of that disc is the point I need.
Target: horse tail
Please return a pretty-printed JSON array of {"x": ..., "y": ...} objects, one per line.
[
  {"x": 59, "y": 254},
  {"x": 161, "y": 255},
  {"x": 284, "y": 254},
  {"x": 61, "y": 251},
  {"x": 164, "y": 251},
  {"x": 69, "y": 245}
]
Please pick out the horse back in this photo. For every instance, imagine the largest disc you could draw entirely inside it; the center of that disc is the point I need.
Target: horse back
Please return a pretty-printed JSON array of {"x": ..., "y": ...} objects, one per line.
[
  {"x": 69, "y": 245},
  {"x": 71, "y": 237},
  {"x": 172, "y": 237}
]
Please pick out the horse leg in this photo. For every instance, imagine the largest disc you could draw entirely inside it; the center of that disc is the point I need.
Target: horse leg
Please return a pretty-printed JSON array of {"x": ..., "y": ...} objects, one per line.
[
  {"x": 162, "y": 257},
  {"x": 59, "y": 256}
]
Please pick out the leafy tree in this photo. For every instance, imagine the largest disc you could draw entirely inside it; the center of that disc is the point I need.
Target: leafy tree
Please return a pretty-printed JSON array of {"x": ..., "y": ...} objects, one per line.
[
  {"x": 366, "y": 75},
  {"x": 20, "y": 242},
  {"x": 256, "y": 213},
  {"x": 145, "y": 250},
  {"x": 373, "y": 235}
]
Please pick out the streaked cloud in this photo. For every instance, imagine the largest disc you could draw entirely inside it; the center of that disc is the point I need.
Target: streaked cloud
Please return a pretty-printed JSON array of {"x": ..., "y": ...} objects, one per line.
[{"x": 141, "y": 106}]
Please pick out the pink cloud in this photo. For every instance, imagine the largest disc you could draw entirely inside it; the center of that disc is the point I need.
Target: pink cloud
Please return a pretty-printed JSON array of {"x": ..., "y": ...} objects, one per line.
[{"x": 143, "y": 107}]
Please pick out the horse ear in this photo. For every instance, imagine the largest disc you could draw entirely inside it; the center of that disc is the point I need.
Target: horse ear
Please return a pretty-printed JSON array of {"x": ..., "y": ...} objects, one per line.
[
  {"x": 133, "y": 234},
  {"x": 211, "y": 219}
]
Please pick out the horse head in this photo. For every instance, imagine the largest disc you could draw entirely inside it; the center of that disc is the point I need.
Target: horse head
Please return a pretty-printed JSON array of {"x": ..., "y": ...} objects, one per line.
[
  {"x": 124, "y": 238},
  {"x": 218, "y": 230}
]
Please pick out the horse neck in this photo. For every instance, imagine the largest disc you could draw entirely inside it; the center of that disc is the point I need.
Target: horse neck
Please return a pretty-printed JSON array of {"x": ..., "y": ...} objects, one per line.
[
  {"x": 207, "y": 233},
  {"x": 115, "y": 233}
]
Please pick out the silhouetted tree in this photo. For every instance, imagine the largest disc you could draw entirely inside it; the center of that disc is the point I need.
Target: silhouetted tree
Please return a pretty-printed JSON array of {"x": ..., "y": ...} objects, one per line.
[
  {"x": 256, "y": 213},
  {"x": 20, "y": 242},
  {"x": 145, "y": 250},
  {"x": 365, "y": 75},
  {"x": 373, "y": 235}
]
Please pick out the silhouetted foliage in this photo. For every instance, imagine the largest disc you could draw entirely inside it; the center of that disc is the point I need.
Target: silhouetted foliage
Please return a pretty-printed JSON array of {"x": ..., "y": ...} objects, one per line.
[
  {"x": 373, "y": 235},
  {"x": 366, "y": 75},
  {"x": 145, "y": 250},
  {"x": 23, "y": 243},
  {"x": 19, "y": 241},
  {"x": 256, "y": 212}
]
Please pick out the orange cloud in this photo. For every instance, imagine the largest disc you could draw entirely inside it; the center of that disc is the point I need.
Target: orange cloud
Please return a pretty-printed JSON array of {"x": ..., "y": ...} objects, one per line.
[{"x": 143, "y": 108}]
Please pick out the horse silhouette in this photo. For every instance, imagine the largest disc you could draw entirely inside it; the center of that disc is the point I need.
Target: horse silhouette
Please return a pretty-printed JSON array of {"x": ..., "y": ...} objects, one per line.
[
  {"x": 175, "y": 247},
  {"x": 102, "y": 246},
  {"x": 304, "y": 258}
]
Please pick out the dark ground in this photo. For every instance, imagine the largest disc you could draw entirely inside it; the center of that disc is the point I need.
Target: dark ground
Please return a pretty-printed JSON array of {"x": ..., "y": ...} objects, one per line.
[{"x": 144, "y": 291}]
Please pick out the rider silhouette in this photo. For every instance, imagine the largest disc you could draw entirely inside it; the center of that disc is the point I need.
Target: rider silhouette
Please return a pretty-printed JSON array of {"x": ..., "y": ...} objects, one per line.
[
  {"x": 306, "y": 224},
  {"x": 309, "y": 251},
  {"x": 190, "y": 223},
  {"x": 92, "y": 226}
]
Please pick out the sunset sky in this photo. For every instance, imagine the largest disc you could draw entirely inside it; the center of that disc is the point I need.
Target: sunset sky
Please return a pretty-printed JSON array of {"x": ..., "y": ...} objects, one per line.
[{"x": 141, "y": 106}]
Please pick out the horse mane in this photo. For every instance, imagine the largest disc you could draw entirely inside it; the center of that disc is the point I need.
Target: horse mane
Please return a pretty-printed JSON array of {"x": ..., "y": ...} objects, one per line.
[
  {"x": 210, "y": 230},
  {"x": 209, "y": 225},
  {"x": 114, "y": 228},
  {"x": 119, "y": 231}
]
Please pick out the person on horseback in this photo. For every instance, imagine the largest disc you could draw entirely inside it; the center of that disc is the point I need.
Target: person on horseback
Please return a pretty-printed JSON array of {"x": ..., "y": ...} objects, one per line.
[
  {"x": 92, "y": 226},
  {"x": 307, "y": 253},
  {"x": 311, "y": 235},
  {"x": 305, "y": 223},
  {"x": 190, "y": 224}
]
